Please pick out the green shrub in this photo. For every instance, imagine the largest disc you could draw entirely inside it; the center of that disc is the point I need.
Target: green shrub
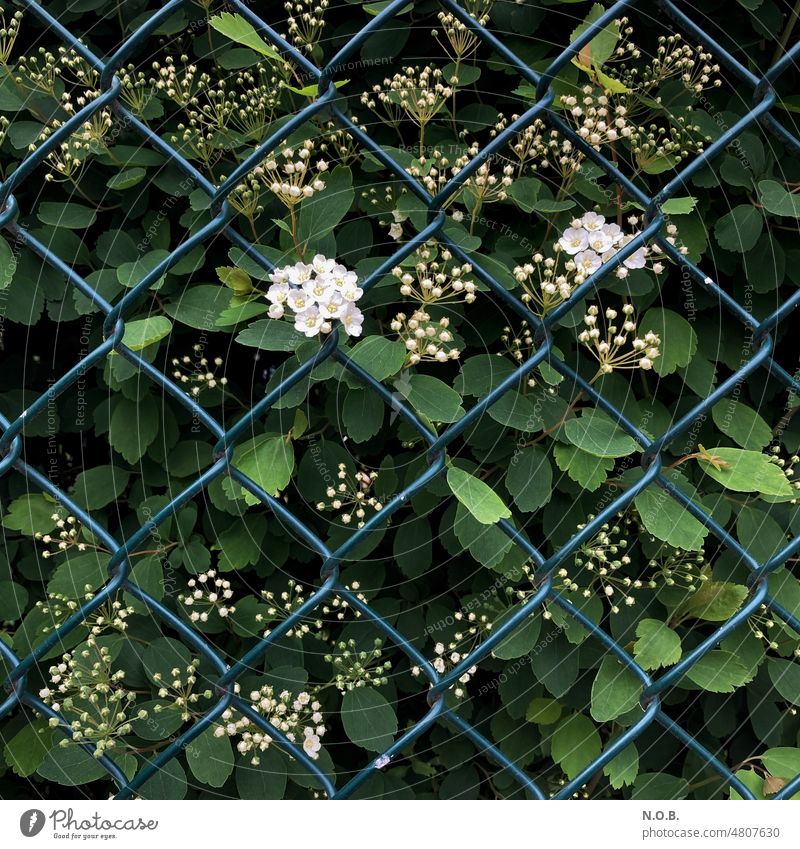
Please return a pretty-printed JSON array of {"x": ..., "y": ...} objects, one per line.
[{"x": 508, "y": 420}]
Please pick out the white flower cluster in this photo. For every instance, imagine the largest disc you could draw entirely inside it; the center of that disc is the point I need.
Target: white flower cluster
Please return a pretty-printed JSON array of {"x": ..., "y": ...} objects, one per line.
[
  {"x": 424, "y": 338},
  {"x": 687, "y": 570},
  {"x": 592, "y": 241},
  {"x": 9, "y": 30},
  {"x": 599, "y": 559},
  {"x": 602, "y": 121},
  {"x": 317, "y": 293},
  {"x": 110, "y": 615},
  {"x": 436, "y": 280},
  {"x": 539, "y": 146},
  {"x": 294, "y": 179},
  {"x": 447, "y": 658},
  {"x": 518, "y": 344},
  {"x": 178, "y": 688},
  {"x": 588, "y": 244},
  {"x": 305, "y": 21},
  {"x": 788, "y": 466},
  {"x": 91, "y": 697},
  {"x": 462, "y": 40},
  {"x": 608, "y": 350},
  {"x": 356, "y": 668},
  {"x": 339, "y": 607},
  {"x": 352, "y": 496},
  {"x": 69, "y": 536},
  {"x": 417, "y": 93},
  {"x": 210, "y": 593},
  {"x": 282, "y": 605},
  {"x": 484, "y": 186},
  {"x": 199, "y": 371},
  {"x": 298, "y": 717}
]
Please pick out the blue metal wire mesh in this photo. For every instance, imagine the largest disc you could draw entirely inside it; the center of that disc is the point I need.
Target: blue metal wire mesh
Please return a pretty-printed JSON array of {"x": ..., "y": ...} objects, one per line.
[{"x": 229, "y": 670}]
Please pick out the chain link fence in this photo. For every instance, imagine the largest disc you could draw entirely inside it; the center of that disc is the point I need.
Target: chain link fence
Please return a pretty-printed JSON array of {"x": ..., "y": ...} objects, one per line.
[{"x": 12, "y": 450}]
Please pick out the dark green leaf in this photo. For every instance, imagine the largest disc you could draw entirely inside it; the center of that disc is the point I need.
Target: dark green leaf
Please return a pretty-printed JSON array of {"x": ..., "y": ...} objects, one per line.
[
  {"x": 575, "y": 744},
  {"x": 210, "y": 758},
  {"x": 615, "y": 690},
  {"x": 169, "y": 783},
  {"x": 270, "y": 335},
  {"x": 479, "y": 498},
  {"x": 746, "y": 471},
  {"x": 595, "y": 434},
  {"x": 715, "y": 601},
  {"x": 777, "y": 200},
  {"x": 380, "y": 357},
  {"x": 718, "y": 672},
  {"x": 431, "y": 397},
  {"x": 785, "y": 677},
  {"x": 543, "y": 711},
  {"x": 668, "y": 520},
  {"x": 268, "y": 460},
  {"x": 530, "y": 478},
  {"x": 656, "y": 645},
  {"x": 265, "y": 780},
  {"x": 742, "y": 424},
  {"x": 678, "y": 339},
  {"x": 362, "y": 414},
  {"x": 25, "y": 752},
  {"x": 73, "y": 216},
  {"x": 521, "y": 640},
  {"x": 70, "y": 766},
  {"x": 586, "y": 469},
  {"x": 238, "y": 29},
  {"x": 740, "y": 228},
  {"x": 99, "y": 486},
  {"x": 369, "y": 720},
  {"x": 659, "y": 786}
]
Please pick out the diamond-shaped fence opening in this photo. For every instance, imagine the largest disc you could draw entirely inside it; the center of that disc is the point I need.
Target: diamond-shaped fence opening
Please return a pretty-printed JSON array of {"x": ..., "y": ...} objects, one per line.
[{"x": 222, "y": 673}]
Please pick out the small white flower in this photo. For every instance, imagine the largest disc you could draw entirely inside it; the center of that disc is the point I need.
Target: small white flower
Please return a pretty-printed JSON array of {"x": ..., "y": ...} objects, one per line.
[
  {"x": 637, "y": 259},
  {"x": 299, "y": 300},
  {"x": 350, "y": 291},
  {"x": 278, "y": 293},
  {"x": 309, "y": 321},
  {"x": 614, "y": 231},
  {"x": 316, "y": 293},
  {"x": 311, "y": 744},
  {"x": 319, "y": 288},
  {"x": 333, "y": 305},
  {"x": 280, "y": 275},
  {"x": 592, "y": 221},
  {"x": 395, "y": 231},
  {"x": 601, "y": 241},
  {"x": 574, "y": 240},
  {"x": 321, "y": 264},
  {"x": 588, "y": 261},
  {"x": 299, "y": 273},
  {"x": 352, "y": 319}
]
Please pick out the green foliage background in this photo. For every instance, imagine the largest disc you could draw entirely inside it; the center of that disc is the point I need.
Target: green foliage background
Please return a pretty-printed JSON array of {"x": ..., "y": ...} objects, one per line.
[{"x": 550, "y": 696}]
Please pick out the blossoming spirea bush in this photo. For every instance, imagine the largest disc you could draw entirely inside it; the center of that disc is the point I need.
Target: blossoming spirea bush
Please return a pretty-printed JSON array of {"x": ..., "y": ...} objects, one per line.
[{"x": 325, "y": 251}]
